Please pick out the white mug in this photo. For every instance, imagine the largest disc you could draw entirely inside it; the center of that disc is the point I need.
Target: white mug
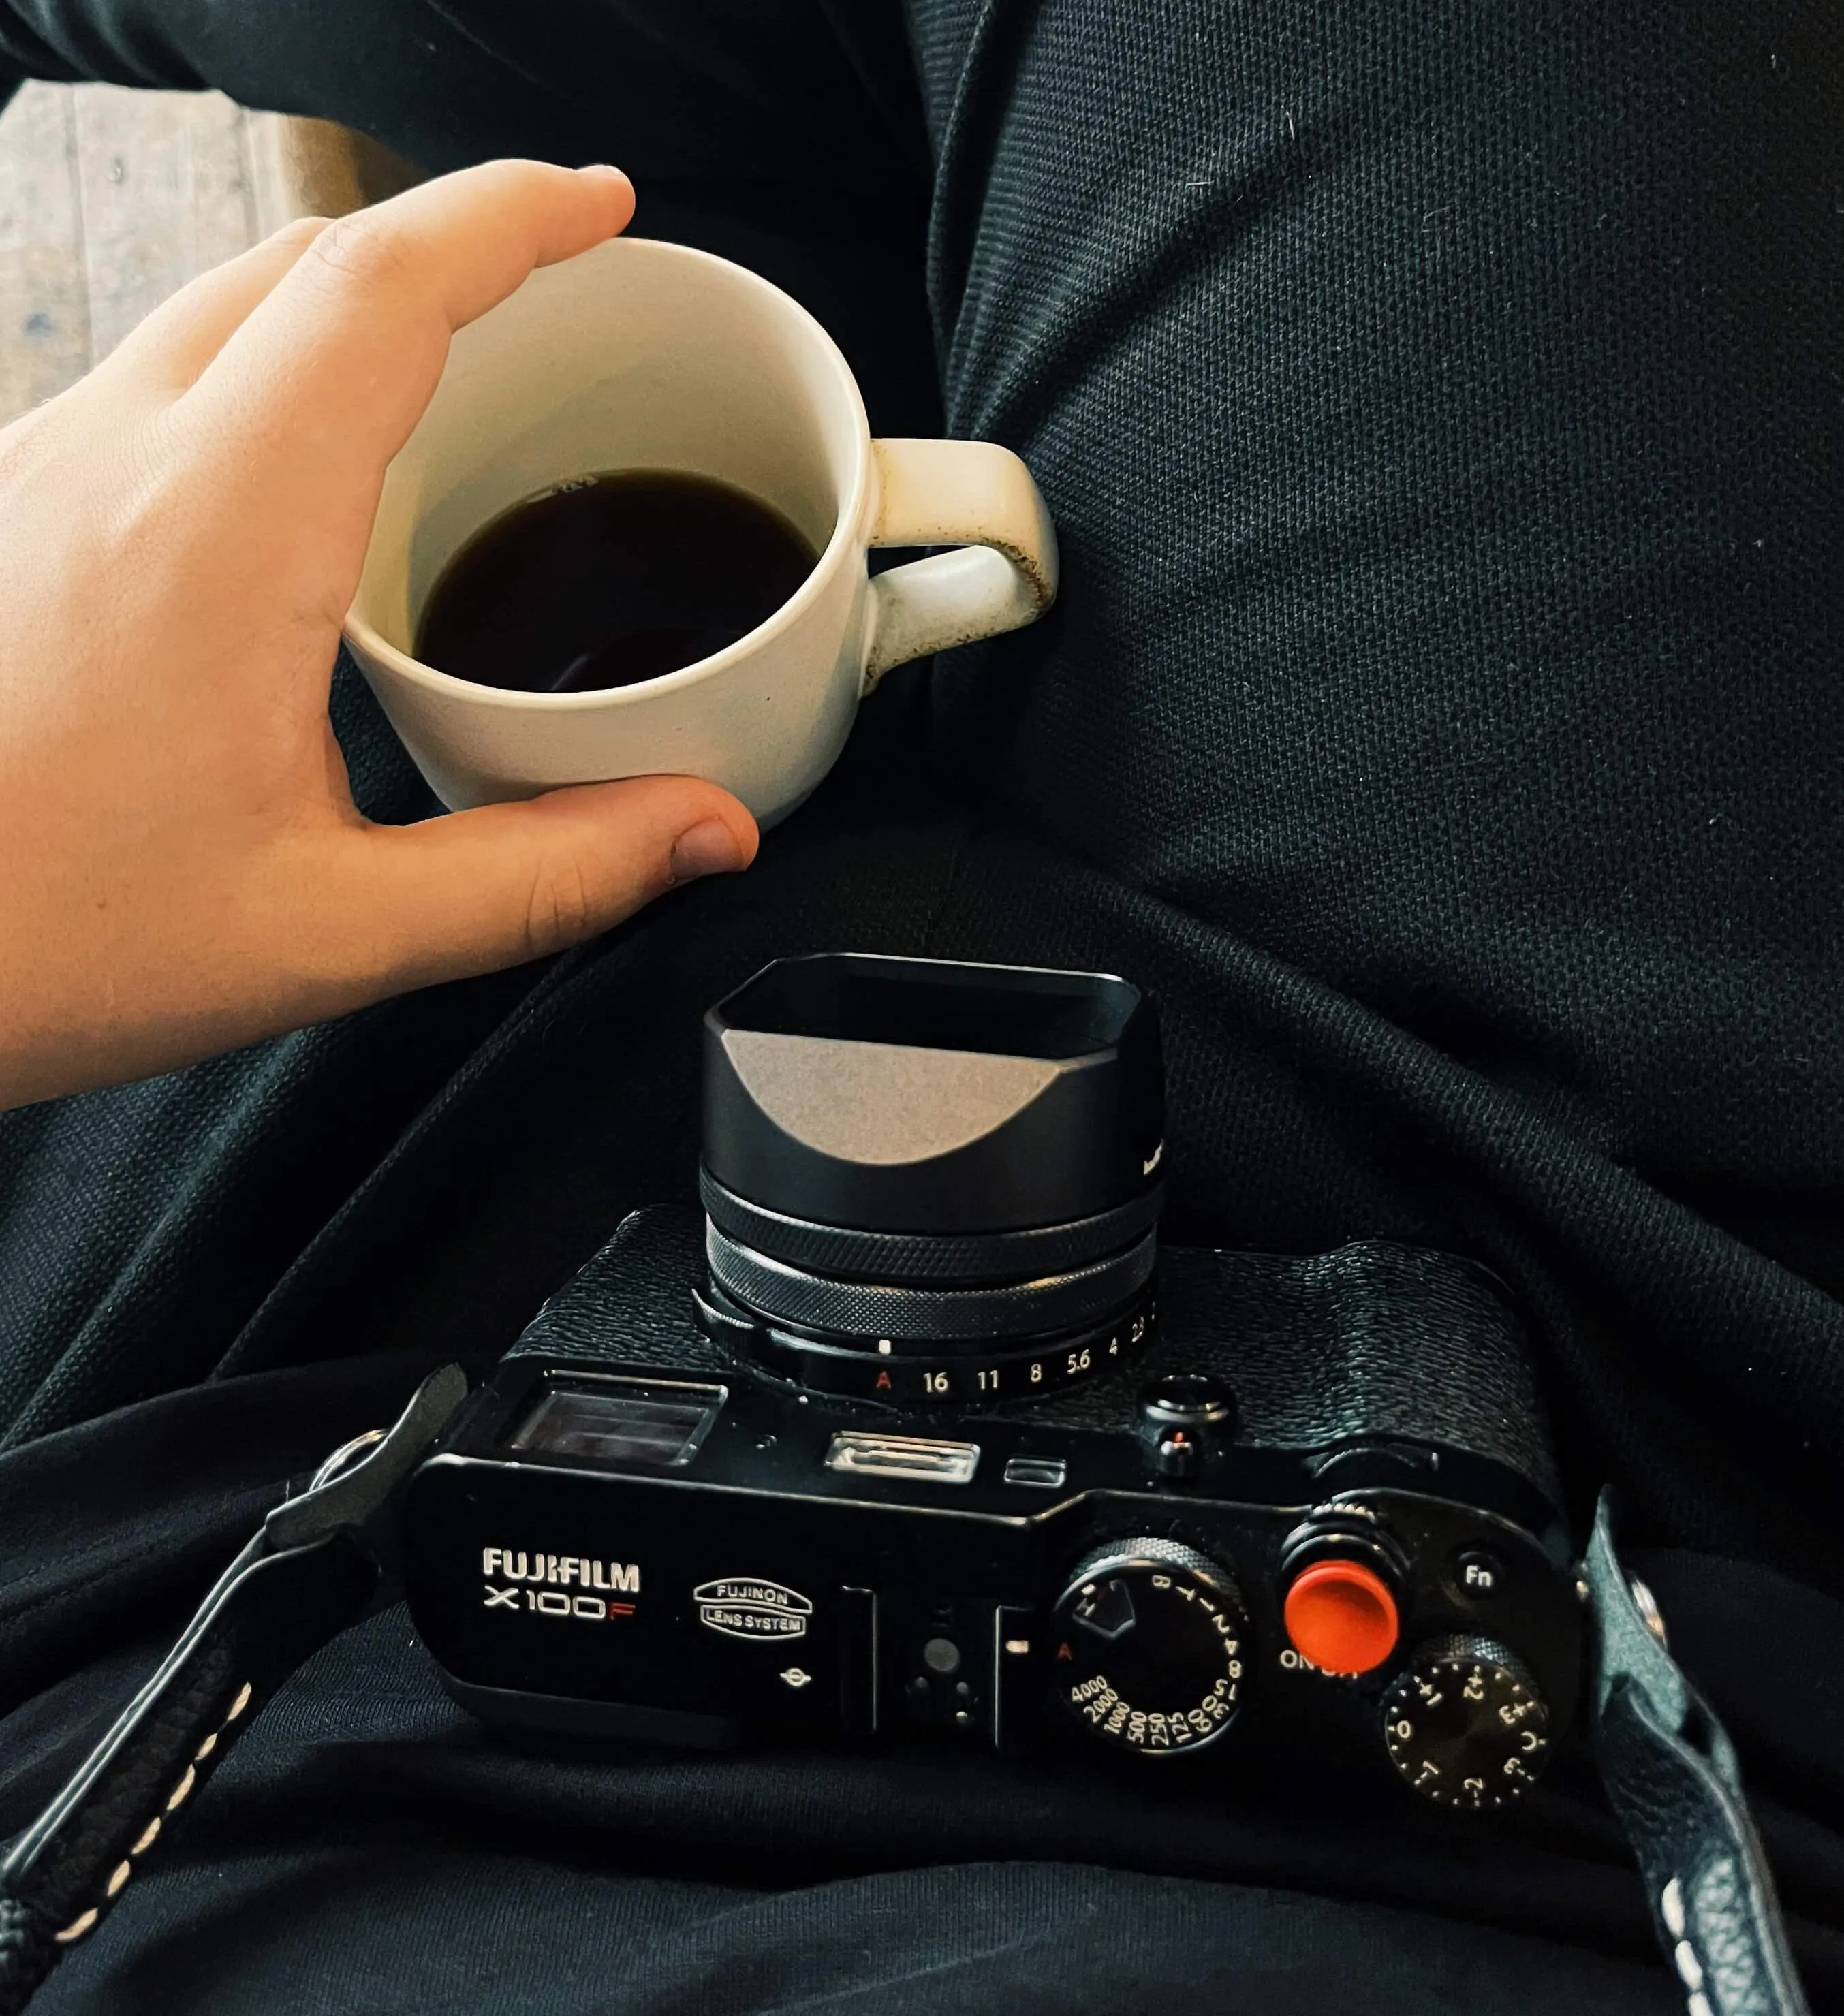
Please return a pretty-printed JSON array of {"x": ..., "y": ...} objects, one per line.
[{"x": 641, "y": 354}]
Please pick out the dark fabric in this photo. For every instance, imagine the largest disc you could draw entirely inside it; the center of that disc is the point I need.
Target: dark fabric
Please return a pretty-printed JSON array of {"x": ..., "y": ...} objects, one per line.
[{"x": 1439, "y": 412}]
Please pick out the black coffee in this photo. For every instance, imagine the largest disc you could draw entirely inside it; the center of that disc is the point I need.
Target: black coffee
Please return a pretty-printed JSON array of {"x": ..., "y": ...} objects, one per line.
[{"x": 610, "y": 580}]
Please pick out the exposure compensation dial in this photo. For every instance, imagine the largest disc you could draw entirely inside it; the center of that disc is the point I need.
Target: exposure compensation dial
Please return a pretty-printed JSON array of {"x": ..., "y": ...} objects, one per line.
[
  {"x": 1465, "y": 1724},
  {"x": 1149, "y": 1647}
]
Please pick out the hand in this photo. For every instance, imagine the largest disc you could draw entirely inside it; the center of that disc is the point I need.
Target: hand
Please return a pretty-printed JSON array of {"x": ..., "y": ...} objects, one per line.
[{"x": 181, "y": 866}]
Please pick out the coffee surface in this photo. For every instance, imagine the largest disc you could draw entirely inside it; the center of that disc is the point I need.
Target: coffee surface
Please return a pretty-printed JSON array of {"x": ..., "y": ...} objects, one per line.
[{"x": 609, "y": 581}]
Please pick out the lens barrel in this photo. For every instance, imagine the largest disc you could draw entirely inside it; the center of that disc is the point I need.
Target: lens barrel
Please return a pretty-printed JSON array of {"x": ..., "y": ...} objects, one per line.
[{"x": 925, "y": 1181}]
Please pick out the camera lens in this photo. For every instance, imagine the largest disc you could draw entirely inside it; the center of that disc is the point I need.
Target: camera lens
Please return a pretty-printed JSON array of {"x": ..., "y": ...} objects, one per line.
[{"x": 927, "y": 1182}]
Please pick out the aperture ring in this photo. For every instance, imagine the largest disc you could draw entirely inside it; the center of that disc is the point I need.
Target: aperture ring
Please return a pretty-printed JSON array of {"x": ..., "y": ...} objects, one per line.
[
  {"x": 924, "y": 1315},
  {"x": 927, "y": 1258},
  {"x": 993, "y": 1376}
]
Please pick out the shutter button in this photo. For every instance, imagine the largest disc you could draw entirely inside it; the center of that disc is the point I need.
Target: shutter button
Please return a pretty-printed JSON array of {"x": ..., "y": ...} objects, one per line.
[{"x": 1341, "y": 1617}]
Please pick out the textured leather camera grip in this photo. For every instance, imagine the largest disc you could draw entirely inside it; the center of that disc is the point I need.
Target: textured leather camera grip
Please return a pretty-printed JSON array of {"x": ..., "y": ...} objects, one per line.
[
  {"x": 1671, "y": 1773},
  {"x": 267, "y": 1613}
]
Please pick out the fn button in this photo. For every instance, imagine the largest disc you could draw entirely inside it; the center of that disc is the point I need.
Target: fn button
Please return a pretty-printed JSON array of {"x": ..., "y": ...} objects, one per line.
[{"x": 1478, "y": 1573}]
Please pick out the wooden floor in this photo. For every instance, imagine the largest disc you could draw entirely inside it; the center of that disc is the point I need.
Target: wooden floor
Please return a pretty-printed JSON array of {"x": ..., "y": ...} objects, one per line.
[{"x": 109, "y": 200}]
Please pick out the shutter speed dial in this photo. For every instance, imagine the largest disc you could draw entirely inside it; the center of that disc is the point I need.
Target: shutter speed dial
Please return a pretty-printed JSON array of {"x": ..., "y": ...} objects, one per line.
[
  {"x": 1465, "y": 1725},
  {"x": 1149, "y": 1647}
]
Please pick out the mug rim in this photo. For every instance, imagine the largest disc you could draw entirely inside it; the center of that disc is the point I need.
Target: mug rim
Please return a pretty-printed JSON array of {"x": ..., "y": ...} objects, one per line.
[{"x": 844, "y": 533}]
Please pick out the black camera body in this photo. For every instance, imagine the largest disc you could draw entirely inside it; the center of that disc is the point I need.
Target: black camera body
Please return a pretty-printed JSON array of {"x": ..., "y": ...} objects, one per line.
[{"x": 758, "y": 1473}]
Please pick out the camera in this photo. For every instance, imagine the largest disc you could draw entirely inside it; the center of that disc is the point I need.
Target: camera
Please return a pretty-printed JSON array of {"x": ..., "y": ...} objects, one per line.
[{"x": 914, "y": 1432}]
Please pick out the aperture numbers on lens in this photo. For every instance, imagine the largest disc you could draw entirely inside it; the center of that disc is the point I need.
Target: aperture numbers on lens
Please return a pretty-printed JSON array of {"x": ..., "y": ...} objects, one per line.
[{"x": 978, "y": 1379}]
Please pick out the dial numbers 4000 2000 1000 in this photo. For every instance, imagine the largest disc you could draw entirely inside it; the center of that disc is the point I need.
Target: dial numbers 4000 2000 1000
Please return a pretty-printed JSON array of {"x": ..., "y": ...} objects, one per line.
[{"x": 1147, "y": 1648}]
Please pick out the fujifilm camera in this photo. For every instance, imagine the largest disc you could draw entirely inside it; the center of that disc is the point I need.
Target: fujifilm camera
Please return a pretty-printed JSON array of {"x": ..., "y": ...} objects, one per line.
[{"x": 915, "y": 1433}]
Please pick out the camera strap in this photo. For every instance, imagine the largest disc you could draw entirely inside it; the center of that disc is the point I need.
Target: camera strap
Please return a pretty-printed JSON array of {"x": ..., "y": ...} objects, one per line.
[
  {"x": 319, "y": 1560},
  {"x": 311, "y": 1569},
  {"x": 1671, "y": 1775}
]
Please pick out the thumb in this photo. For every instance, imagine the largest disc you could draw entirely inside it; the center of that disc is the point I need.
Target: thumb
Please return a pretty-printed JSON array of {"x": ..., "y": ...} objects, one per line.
[{"x": 477, "y": 891}]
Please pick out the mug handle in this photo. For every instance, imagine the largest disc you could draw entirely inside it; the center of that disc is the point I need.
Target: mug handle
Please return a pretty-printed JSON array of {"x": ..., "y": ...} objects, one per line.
[{"x": 973, "y": 494}]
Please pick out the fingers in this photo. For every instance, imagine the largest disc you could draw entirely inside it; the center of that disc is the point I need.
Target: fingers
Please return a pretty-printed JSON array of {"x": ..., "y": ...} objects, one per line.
[
  {"x": 341, "y": 356},
  {"x": 480, "y": 890},
  {"x": 165, "y": 353}
]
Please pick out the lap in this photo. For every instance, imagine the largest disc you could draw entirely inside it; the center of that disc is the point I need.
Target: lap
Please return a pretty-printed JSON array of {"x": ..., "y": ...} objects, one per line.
[{"x": 1439, "y": 713}]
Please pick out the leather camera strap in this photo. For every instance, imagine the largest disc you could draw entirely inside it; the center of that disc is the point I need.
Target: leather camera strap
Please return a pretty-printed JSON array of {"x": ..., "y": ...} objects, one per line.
[
  {"x": 310, "y": 1571},
  {"x": 1671, "y": 1776}
]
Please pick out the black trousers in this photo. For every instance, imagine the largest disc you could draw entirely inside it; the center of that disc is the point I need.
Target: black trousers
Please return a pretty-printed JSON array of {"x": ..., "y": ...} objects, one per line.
[{"x": 1440, "y": 413}]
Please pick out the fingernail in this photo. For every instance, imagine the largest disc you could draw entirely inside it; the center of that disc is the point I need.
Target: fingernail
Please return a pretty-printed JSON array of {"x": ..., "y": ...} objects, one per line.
[{"x": 707, "y": 849}]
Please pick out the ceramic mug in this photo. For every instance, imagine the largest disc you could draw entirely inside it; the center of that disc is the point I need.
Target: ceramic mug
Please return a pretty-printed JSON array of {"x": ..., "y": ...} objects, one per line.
[{"x": 641, "y": 354}]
